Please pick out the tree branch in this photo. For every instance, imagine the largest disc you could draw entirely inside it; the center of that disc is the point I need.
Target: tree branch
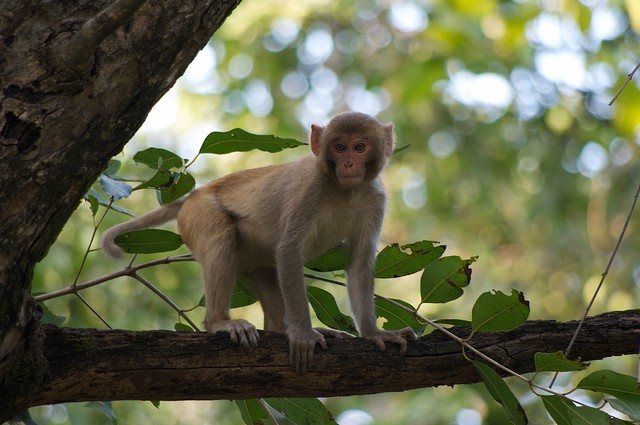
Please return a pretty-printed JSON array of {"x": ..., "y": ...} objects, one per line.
[{"x": 93, "y": 365}]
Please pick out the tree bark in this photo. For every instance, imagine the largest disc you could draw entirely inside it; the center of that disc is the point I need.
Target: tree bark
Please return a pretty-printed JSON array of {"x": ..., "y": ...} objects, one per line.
[
  {"x": 77, "y": 79},
  {"x": 93, "y": 365}
]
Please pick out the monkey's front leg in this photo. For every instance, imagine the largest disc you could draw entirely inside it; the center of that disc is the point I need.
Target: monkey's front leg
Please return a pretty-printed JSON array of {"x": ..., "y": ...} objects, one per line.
[{"x": 302, "y": 337}]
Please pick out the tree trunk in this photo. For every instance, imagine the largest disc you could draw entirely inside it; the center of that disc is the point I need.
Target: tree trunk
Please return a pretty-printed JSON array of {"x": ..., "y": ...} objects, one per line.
[
  {"x": 92, "y": 365},
  {"x": 77, "y": 78}
]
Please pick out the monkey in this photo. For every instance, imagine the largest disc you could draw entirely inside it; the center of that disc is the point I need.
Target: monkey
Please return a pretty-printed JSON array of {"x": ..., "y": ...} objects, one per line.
[{"x": 264, "y": 223}]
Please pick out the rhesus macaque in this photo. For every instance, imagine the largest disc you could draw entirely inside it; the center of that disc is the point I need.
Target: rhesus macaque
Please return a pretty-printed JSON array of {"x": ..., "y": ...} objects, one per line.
[{"x": 264, "y": 223}]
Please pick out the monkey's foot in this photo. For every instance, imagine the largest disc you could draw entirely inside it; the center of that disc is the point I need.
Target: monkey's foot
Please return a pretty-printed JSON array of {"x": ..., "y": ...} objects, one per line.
[
  {"x": 333, "y": 333},
  {"x": 241, "y": 331},
  {"x": 379, "y": 337}
]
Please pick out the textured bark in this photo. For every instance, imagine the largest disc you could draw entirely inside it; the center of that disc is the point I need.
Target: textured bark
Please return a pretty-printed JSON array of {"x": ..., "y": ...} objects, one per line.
[
  {"x": 161, "y": 365},
  {"x": 77, "y": 79}
]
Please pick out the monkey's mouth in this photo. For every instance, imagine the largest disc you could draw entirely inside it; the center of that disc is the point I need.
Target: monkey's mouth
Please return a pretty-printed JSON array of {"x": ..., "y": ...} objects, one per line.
[{"x": 349, "y": 180}]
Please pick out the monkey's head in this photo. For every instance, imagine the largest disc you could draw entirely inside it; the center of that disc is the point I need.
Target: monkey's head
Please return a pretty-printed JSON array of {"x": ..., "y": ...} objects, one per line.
[{"x": 353, "y": 147}]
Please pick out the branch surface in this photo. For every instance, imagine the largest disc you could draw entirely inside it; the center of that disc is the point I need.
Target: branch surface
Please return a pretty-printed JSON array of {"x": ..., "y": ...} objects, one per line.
[{"x": 97, "y": 365}]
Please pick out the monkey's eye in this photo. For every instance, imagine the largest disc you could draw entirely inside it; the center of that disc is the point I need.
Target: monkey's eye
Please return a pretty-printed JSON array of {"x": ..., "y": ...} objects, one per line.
[
  {"x": 339, "y": 147},
  {"x": 360, "y": 147}
]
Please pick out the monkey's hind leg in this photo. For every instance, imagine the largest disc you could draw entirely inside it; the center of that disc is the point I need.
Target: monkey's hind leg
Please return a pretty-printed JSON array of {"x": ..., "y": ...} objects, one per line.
[
  {"x": 211, "y": 235},
  {"x": 266, "y": 284}
]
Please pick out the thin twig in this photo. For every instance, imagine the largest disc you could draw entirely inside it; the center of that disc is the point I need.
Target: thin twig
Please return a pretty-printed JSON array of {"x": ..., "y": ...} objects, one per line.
[
  {"x": 602, "y": 279},
  {"x": 127, "y": 271},
  {"x": 166, "y": 299},
  {"x": 93, "y": 310},
  {"x": 606, "y": 271},
  {"x": 88, "y": 250},
  {"x": 629, "y": 77}
]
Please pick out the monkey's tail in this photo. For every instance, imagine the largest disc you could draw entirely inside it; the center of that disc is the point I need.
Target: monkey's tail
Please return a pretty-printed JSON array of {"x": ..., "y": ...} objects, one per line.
[{"x": 150, "y": 219}]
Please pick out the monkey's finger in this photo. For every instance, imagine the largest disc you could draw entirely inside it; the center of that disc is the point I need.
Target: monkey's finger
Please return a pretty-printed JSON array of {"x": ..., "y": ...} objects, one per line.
[
  {"x": 295, "y": 358},
  {"x": 238, "y": 334},
  {"x": 322, "y": 342},
  {"x": 403, "y": 346},
  {"x": 254, "y": 336},
  {"x": 307, "y": 355},
  {"x": 379, "y": 341},
  {"x": 408, "y": 334}
]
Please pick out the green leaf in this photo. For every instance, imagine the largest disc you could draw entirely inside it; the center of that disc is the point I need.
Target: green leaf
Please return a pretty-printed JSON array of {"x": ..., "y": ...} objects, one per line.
[
  {"x": 559, "y": 409},
  {"x": 114, "y": 188},
  {"x": 631, "y": 408},
  {"x": 610, "y": 382},
  {"x": 112, "y": 168},
  {"x": 159, "y": 159},
  {"x": 335, "y": 259},
  {"x": 499, "y": 312},
  {"x": 181, "y": 327},
  {"x": 159, "y": 179},
  {"x": 148, "y": 241},
  {"x": 104, "y": 407},
  {"x": 401, "y": 148},
  {"x": 243, "y": 294},
  {"x": 252, "y": 412},
  {"x": 623, "y": 387},
  {"x": 398, "y": 317},
  {"x": 49, "y": 317},
  {"x": 557, "y": 362},
  {"x": 238, "y": 140},
  {"x": 501, "y": 393},
  {"x": 442, "y": 281},
  {"x": 180, "y": 185},
  {"x": 585, "y": 415},
  {"x": 564, "y": 412},
  {"x": 395, "y": 261},
  {"x": 94, "y": 204},
  {"x": 302, "y": 410},
  {"x": 327, "y": 310}
]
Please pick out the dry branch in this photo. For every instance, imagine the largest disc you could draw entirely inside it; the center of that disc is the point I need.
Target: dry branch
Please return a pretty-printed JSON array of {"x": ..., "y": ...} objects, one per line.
[{"x": 87, "y": 364}]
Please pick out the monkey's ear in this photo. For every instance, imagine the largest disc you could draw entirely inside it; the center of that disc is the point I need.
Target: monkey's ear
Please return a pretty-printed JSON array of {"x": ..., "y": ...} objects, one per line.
[
  {"x": 316, "y": 133},
  {"x": 388, "y": 131}
]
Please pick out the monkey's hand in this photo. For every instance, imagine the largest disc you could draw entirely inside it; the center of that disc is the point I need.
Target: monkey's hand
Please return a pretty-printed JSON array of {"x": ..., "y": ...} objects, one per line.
[
  {"x": 379, "y": 337},
  {"x": 302, "y": 343},
  {"x": 241, "y": 331}
]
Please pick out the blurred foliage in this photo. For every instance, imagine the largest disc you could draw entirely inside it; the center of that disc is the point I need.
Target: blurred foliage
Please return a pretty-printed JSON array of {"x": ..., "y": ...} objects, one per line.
[{"x": 514, "y": 156}]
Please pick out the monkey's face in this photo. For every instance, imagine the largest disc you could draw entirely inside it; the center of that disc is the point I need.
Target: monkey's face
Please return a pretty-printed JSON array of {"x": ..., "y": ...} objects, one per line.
[
  {"x": 353, "y": 148},
  {"x": 350, "y": 157}
]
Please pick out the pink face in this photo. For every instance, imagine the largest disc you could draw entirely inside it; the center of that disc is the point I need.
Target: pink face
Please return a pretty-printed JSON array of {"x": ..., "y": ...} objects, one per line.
[
  {"x": 353, "y": 156},
  {"x": 350, "y": 156}
]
